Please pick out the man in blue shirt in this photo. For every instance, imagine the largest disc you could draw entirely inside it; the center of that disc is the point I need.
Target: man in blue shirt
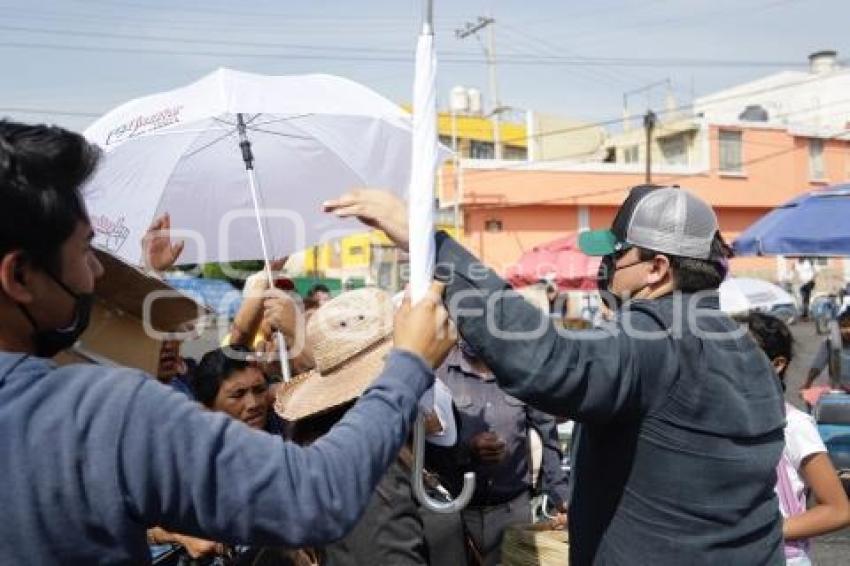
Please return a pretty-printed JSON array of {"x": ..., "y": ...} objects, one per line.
[
  {"x": 91, "y": 456},
  {"x": 493, "y": 441}
]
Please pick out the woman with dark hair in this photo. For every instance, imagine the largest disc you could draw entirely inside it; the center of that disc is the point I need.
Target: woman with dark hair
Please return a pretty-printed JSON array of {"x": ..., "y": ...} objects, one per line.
[
  {"x": 229, "y": 381},
  {"x": 805, "y": 465}
]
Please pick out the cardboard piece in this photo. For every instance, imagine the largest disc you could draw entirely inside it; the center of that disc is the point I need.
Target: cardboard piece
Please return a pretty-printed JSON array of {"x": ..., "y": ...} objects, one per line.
[{"x": 117, "y": 333}]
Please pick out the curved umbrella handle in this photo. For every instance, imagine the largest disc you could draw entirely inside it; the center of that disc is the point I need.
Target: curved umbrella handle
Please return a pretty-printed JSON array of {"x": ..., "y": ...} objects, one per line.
[
  {"x": 418, "y": 479},
  {"x": 544, "y": 504}
]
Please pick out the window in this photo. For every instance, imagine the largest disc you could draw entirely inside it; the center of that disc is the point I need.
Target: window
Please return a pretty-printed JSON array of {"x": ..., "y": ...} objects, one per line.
[
  {"x": 816, "y": 170},
  {"x": 356, "y": 250},
  {"x": 630, "y": 154},
  {"x": 514, "y": 152},
  {"x": 493, "y": 225},
  {"x": 730, "y": 152},
  {"x": 481, "y": 150},
  {"x": 674, "y": 149}
]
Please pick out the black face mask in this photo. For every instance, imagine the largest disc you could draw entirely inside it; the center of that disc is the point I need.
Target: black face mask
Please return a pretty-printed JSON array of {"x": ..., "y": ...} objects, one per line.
[
  {"x": 604, "y": 278},
  {"x": 48, "y": 343}
]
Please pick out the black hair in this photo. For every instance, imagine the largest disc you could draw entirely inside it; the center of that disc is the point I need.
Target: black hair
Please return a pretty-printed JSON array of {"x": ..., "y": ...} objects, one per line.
[
  {"x": 41, "y": 171},
  {"x": 844, "y": 318},
  {"x": 772, "y": 335},
  {"x": 318, "y": 288},
  {"x": 694, "y": 275},
  {"x": 215, "y": 367}
]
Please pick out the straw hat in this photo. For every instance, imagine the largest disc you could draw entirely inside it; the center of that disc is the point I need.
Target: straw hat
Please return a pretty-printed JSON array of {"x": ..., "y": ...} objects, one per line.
[
  {"x": 534, "y": 545},
  {"x": 350, "y": 336}
]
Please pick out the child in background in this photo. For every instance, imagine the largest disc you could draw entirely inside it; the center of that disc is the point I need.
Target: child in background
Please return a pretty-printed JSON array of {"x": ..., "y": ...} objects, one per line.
[{"x": 805, "y": 464}]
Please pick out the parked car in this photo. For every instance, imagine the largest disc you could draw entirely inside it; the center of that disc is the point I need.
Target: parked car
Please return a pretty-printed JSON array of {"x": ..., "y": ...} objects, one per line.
[{"x": 741, "y": 295}]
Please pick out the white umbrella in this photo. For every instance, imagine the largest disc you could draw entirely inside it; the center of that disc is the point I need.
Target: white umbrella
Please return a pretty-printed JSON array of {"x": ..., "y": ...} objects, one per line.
[
  {"x": 243, "y": 163},
  {"x": 312, "y": 138},
  {"x": 425, "y": 159},
  {"x": 743, "y": 294}
]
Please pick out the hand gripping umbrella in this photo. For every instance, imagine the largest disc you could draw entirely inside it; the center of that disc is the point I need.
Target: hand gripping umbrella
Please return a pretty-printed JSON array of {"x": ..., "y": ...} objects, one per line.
[{"x": 421, "y": 221}]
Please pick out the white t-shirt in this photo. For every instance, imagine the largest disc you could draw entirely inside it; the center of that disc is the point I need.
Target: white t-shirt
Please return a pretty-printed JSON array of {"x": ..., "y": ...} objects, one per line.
[
  {"x": 438, "y": 399},
  {"x": 801, "y": 441},
  {"x": 805, "y": 271}
]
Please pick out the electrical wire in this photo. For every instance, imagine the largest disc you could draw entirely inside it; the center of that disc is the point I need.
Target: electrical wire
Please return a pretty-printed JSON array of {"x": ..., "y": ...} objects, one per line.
[
  {"x": 507, "y": 170},
  {"x": 659, "y": 180}
]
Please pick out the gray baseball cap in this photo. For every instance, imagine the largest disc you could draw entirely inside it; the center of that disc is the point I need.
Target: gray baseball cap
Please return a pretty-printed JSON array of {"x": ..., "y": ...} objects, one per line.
[{"x": 668, "y": 220}]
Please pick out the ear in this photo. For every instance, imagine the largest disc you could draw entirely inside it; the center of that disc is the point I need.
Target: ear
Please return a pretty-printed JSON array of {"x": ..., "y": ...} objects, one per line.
[
  {"x": 659, "y": 270},
  {"x": 15, "y": 274}
]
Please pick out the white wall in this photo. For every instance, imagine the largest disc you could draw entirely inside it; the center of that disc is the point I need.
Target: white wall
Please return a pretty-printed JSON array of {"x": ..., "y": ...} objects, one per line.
[{"x": 815, "y": 104}]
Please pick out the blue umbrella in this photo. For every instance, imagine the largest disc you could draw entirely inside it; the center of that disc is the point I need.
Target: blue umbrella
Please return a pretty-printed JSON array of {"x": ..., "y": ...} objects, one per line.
[{"x": 813, "y": 224}]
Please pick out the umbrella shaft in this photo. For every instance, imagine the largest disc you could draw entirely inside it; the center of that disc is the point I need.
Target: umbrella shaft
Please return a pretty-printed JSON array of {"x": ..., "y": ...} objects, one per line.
[{"x": 244, "y": 142}]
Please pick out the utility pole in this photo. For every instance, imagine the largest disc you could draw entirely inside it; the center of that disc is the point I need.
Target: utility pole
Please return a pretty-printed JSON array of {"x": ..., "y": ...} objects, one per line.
[
  {"x": 471, "y": 28},
  {"x": 649, "y": 120}
]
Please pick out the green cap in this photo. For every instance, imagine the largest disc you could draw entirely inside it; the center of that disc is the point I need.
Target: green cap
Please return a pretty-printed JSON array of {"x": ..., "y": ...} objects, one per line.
[{"x": 597, "y": 242}]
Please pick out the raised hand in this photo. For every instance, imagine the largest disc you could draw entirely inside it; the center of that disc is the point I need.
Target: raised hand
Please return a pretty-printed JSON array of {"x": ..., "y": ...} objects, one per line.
[
  {"x": 158, "y": 251},
  {"x": 376, "y": 209},
  {"x": 425, "y": 329},
  {"x": 487, "y": 447}
]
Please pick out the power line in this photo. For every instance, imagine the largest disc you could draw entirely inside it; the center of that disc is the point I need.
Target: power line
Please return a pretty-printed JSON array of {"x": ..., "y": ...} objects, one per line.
[
  {"x": 507, "y": 170},
  {"x": 590, "y": 74},
  {"x": 196, "y": 41},
  {"x": 207, "y": 10},
  {"x": 681, "y": 108},
  {"x": 391, "y": 55},
  {"x": 50, "y": 111},
  {"x": 670, "y": 177},
  {"x": 667, "y": 22},
  {"x": 571, "y": 129},
  {"x": 191, "y": 23},
  {"x": 631, "y": 6}
]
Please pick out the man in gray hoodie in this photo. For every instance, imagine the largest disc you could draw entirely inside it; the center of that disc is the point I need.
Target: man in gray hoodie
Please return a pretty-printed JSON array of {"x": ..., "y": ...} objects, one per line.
[{"x": 91, "y": 456}]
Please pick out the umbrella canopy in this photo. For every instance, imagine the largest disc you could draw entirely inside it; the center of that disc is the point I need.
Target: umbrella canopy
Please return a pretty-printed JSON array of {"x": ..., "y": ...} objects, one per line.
[
  {"x": 743, "y": 294},
  {"x": 813, "y": 224},
  {"x": 560, "y": 261},
  {"x": 313, "y": 137}
]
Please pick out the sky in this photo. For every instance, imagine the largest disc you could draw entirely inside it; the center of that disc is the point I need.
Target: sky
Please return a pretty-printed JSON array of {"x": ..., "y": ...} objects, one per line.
[{"x": 69, "y": 61}]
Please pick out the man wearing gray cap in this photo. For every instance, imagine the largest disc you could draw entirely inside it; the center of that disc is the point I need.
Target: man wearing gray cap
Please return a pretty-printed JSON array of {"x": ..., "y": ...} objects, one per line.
[{"x": 682, "y": 418}]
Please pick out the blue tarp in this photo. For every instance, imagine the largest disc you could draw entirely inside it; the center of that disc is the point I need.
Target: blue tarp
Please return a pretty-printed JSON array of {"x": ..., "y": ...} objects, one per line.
[
  {"x": 813, "y": 224},
  {"x": 217, "y": 294}
]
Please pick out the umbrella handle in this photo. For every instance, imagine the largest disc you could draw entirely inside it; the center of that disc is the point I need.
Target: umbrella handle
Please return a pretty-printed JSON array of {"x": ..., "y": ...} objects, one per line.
[
  {"x": 418, "y": 479},
  {"x": 544, "y": 504}
]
